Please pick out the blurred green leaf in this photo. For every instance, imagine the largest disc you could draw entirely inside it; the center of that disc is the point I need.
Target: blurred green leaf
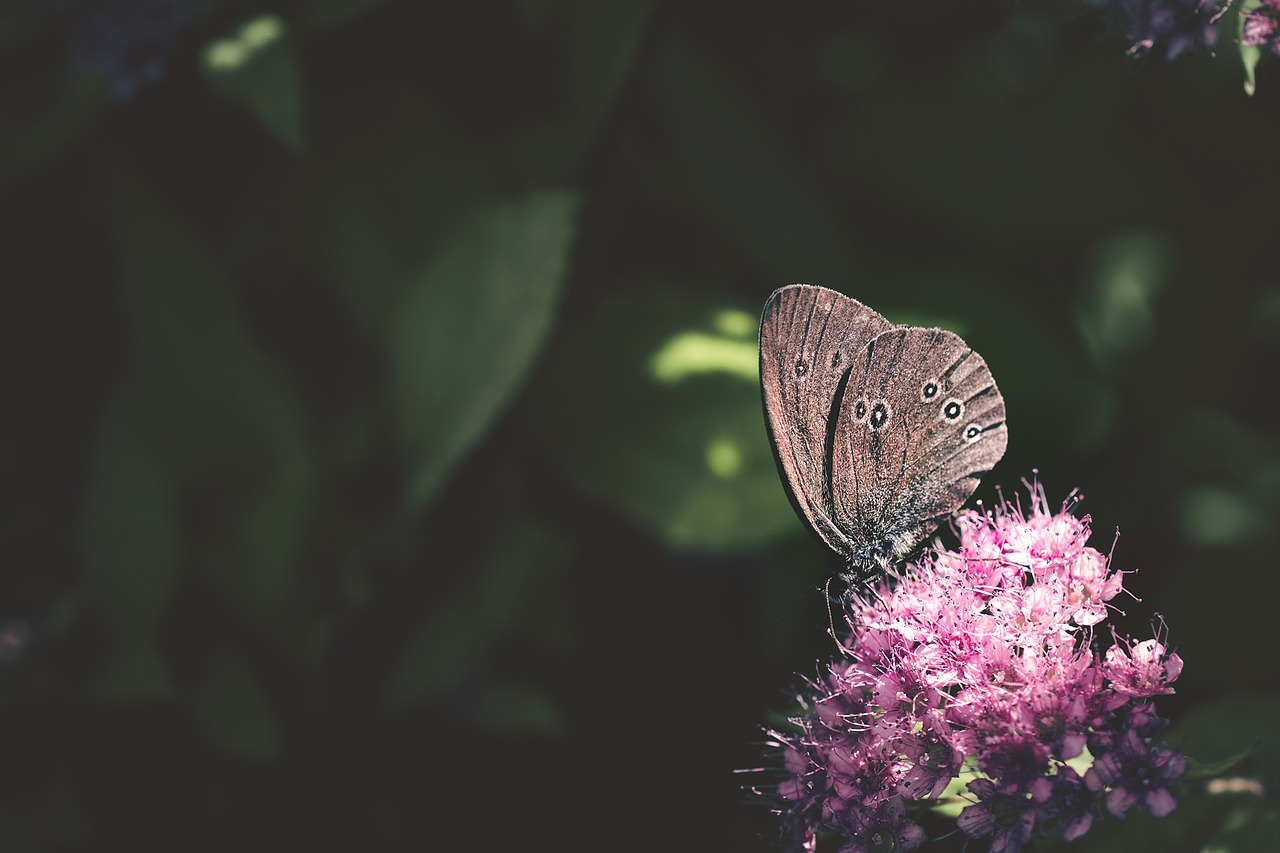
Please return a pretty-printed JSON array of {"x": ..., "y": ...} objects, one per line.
[
  {"x": 449, "y": 645},
  {"x": 1250, "y": 54},
  {"x": 776, "y": 215},
  {"x": 256, "y": 67},
  {"x": 46, "y": 811},
  {"x": 325, "y": 14},
  {"x": 663, "y": 422},
  {"x": 230, "y": 707},
  {"x": 453, "y": 640},
  {"x": 223, "y": 417},
  {"x": 19, "y": 21},
  {"x": 1214, "y": 517},
  {"x": 1231, "y": 489},
  {"x": 1264, "y": 318},
  {"x": 1234, "y": 724},
  {"x": 135, "y": 673},
  {"x": 404, "y": 172},
  {"x": 471, "y": 325},
  {"x": 129, "y": 531},
  {"x": 363, "y": 262},
  {"x": 1117, "y": 315},
  {"x": 519, "y": 710},
  {"x": 1197, "y": 770},
  {"x": 944, "y": 153},
  {"x": 601, "y": 40},
  {"x": 596, "y": 45},
  {"x": 46, "y": 115}
]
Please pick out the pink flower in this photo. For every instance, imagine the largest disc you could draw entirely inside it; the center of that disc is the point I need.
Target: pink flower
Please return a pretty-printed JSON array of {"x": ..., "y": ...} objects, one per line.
[
  {"x": 982, "y": 657},
  {"x": 933, "y": 756},
  {"x": 1089, "y": 586},
  {"x": 1145, "y": 670}
]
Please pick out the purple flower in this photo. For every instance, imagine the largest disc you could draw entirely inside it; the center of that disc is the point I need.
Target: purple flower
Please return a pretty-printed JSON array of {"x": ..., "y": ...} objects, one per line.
[
  {"x": 1134, "y": 772},
  {"x": 885, "y": 830},
  {"x": 1067, "y": 800},
  {"x": 1014, "y": 760},
  {"x": 934, "y": 755},
  {"x": 1007, "y": 818},
  {"x": 1059, "y": 719},
  {"x": 978, "y": 663},
  {"x": 1174, "y": 27}
]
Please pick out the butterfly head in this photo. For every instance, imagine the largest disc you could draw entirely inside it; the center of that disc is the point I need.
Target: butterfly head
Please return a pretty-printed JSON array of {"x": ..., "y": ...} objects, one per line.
[{"x": 875, "y": 558}]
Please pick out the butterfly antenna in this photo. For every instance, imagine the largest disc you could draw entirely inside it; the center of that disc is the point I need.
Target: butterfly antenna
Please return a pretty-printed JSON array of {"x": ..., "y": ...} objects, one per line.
[
  {"x": 831, "y": 619},
  {"x": 794, "y": 603}
]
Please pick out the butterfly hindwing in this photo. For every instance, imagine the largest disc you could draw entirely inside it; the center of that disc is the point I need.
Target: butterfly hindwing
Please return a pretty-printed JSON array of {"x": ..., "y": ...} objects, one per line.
[{"x": 920, "y": 420}]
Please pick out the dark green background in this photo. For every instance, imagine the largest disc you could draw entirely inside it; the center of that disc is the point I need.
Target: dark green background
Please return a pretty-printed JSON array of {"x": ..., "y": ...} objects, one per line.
[{"x": 383, "y": 467}]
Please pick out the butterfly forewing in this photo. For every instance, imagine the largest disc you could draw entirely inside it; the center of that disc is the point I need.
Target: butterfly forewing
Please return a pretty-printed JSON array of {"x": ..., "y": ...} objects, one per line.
[{"x": 809, "y": 339}]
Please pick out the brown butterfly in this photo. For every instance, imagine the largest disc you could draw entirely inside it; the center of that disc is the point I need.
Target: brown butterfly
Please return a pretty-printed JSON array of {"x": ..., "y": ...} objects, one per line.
[{"x": 880, "y": 431}]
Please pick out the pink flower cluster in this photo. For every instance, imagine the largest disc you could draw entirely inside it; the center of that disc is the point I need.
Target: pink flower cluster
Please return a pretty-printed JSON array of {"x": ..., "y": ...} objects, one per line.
[{"x": 978, "y": 664}]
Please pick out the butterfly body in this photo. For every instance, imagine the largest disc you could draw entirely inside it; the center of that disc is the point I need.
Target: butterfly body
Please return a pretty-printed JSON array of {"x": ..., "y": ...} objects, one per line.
[{"x": 880, "y": 432}]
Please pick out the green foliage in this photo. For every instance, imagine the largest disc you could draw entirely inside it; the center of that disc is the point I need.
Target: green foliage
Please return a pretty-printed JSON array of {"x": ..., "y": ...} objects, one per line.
[
  {"x": 219, "y": 412},
  {"x": 459, "y": 636},
  {"x": 663, "y": 423},
  {"x": 230, "y": 707},
  {"x": 471, "y": 325},
  {"x": 778, "y": 217},
  {"x": 136, "y": 673},
  {"x": 257, "y": 66},
  {"x": 130, "y": 534},
  {"x": 1198, "y": 771},
  {"x": 1246, "y": 743},
  {"x": 1250, "y": 54}
]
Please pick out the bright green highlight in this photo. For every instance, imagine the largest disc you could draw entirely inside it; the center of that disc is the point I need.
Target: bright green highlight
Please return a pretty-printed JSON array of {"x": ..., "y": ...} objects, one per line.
[
  {"x": 1215, "y": 517},
  {"x": 734, "y": 323},
  {"x": 1082, "y": 762},
  {"x": 724, "y": 458},
  {"x": 230, "y": 53},
  {"x": 952, "y": 800},
  {"x": 1118, "y": 314},
  {"x": 694, "y": 353}
]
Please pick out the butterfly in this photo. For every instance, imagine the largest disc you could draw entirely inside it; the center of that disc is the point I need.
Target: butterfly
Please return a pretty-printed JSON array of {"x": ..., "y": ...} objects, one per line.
[{"x": 880, "y": 432}]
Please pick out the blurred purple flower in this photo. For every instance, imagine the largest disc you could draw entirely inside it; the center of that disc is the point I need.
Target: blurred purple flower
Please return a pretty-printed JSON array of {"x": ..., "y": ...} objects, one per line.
[
  {"x": 1174, "y": 27},
  {"x": 1261, "y": 27},
  {"x": 125, "y": 41},
  {"x": 15, "y": 637},
  {"x": 978, "y": 665}
]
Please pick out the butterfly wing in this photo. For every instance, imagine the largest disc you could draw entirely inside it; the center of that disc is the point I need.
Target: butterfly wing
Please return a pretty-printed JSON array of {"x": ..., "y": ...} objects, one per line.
[
  {"x": 809, "y": 337},
  {"x": 920, "y": 421}
]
